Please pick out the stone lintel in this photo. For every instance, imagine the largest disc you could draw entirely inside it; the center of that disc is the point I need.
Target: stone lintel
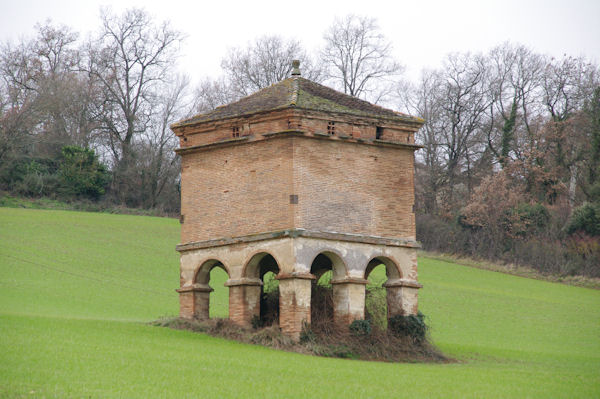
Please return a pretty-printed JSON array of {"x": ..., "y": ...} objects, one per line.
[
  {"x": 394, "y": 143},
  {"x": 299, "y": 275},
  {"x": 297, "y": 133},
  {"x": 372, "y": 142},
  {"x": 293, "y": 233},
  {"x": 195, "y": 288},
  {"x": 222, "y": 143},
  {"x": 350, "y": 280},
  {"x": 291, "y": 132},
  {"x": 400, "y": 282},
  {"x": 243, "y": 281}
]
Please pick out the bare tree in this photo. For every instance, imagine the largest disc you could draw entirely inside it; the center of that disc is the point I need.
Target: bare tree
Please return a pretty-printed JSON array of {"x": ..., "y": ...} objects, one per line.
[
  {"x": 159, "y": 166},
  {"x": 130, "y": 59},
  {"x": 42, "y": 73},
  {"x": 568, "y": 84},
  {"x": 359, "y": 59},
  {"x": 453, "y": 101},
  {"x": 421, "y": 99},
  {"x": 264, "y": 62},
  {"x": 515, "y": 76},
  {"x": 210, "y": 93}
]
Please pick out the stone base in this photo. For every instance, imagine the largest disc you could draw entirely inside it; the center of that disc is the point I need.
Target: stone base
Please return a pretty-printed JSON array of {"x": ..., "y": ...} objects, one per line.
[
  {"x": 348, "y": 300},
  {"x": 294, "y": 252},
  {"x": 244, "y": 300},
  {"x": 194, "y": 301},
  {"x": 294, "y": 303}
]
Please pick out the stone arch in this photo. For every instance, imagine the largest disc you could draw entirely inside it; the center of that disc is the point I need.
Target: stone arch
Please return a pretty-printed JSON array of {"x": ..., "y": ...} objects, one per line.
[
  {"x": 202, "y": 273},
  {"x": 392, "y": 270},
  {"x": 394, "y": 291},
  {"x": 327, "y": 303},
  {"x": 327, "y": 260},
  {"x": 246, "y": 294},
  {"x": 259, "y": 263},
  {"x": 195, "y": 298}
]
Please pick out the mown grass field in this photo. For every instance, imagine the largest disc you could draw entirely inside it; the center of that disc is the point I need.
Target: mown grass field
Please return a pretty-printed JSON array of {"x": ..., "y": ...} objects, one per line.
[{"x": 77, "y": 289}]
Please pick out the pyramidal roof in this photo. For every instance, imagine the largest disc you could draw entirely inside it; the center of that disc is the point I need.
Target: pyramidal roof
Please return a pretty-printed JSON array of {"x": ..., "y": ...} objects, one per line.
[{"x": 301, "y": 93}]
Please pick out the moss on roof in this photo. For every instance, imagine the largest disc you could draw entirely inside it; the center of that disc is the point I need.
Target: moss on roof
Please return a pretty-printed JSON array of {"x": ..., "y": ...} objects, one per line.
[{"x": 302, "y": 94}]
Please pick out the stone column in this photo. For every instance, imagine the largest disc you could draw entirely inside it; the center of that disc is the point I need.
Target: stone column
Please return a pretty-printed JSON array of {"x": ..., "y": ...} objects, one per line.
[
  {"x": 194, "y": 301},
  {"x": 348, "y": 300},
  {"x": 402, "y": 297},
  {"x": 244, "y": 300},
  {"x": 294, "y": 302}
]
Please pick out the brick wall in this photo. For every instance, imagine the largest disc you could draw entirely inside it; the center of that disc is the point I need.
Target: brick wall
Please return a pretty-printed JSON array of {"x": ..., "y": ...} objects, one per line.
[
  {"x": 352, "y": 188},
  {"x": 236, "y": 190},
  {"x": 341, "y": 186},
  {"x": 238, "y": 127}
]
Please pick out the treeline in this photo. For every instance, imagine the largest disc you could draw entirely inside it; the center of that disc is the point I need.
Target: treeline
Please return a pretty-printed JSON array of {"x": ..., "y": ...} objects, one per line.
[
  {"x": 510, "y": 168},
  {"x": 510, "y": 165},
  {"x": 88, "y": 119},
  {"x": 109, "y": 99}
]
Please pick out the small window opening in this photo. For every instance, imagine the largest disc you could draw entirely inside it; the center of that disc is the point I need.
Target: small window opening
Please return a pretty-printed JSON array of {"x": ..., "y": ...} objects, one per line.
[
  {"x": 378, "y": 132},
  {"x": 235, "y": 131},
  {"x": 331, "y": 128}
]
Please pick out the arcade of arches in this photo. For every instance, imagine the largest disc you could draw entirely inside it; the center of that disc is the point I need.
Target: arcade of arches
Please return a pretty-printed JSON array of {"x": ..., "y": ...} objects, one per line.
[{"x": 297, "y": 262}]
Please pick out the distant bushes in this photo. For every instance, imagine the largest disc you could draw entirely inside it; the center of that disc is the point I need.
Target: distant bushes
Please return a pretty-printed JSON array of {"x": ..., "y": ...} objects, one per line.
[
  {"x": 586, "y": 219},
  {"x": 411, "y": 326},
  {"x": 528, "y": 235},
  {"x": 360, "y": 328},
  {"x": 74, "y": 174},
  {"x": 81, "y": 174}
]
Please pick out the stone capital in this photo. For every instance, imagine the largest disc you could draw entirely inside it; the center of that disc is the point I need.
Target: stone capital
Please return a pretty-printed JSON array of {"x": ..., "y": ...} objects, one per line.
[
  {"x": 195, "y": 288},
  {"x": 350, "y": 280},
  {"x": 243, "y": 281},
  {"x": 400, "y": 282},
  {"x": 298, "y": 275}
]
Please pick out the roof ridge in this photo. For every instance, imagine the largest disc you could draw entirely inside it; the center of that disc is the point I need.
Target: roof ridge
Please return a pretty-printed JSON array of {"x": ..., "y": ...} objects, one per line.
[
  {"x": 295, "y": 89},
  {"x": 353, "y": 98},
  {"x": 300, "y": 93}
]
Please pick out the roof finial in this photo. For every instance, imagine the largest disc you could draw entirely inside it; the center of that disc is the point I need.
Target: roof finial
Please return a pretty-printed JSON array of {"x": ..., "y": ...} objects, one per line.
[{"x": 296, "y": 68}]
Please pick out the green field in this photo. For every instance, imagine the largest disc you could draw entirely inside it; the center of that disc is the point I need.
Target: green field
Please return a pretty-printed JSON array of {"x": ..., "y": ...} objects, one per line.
[{"x": 77, "y": 290}]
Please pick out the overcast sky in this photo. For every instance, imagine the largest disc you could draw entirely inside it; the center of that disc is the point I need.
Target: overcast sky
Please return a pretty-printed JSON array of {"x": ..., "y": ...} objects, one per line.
[{"x": 422, "y": 32}]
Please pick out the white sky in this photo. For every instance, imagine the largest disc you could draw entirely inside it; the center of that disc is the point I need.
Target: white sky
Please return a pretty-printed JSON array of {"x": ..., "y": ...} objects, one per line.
[{"x": 423, "y": 31}]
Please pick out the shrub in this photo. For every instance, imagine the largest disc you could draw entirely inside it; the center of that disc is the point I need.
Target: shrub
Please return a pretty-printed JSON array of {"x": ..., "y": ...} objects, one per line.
[
  {"x": 586, "y": 218},
  {"x": 529, "y": 218},
  {"x": 376, "y": 307},
  {"x": 81, "y": 174},
  {"x": 32, "y": 177},
  {"x": 269, "y": 308},
  {"x": 412, "y": 326},
  {"x": 256, "y": 322},
  {"x": 307, "y": 334},
  {"x": 360, "y": 328}
]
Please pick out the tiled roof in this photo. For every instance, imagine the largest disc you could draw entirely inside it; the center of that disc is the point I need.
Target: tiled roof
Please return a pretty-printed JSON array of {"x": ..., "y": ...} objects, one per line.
[{"x": 299, "y": 93}]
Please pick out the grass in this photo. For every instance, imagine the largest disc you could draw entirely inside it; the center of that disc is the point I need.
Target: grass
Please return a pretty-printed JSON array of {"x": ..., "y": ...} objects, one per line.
[
  {"x": 8, "y": 201},
  {"x": 517, "y": 270},
  {"x": 77, "y": 290}
]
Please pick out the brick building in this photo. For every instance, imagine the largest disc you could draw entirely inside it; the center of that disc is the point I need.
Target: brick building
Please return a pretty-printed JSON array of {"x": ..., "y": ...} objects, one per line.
[{"x": 297, "y": 179}]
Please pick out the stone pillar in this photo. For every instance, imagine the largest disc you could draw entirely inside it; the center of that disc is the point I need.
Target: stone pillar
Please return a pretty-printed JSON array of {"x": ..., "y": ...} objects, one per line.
[
  {"x": 348, "y": 300},
  {"x": 402, "y": 297},
  {"x": 294, "y": 302},
  {"x": 194, "y": 301},
  {"x": 244, "y": 300}
]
